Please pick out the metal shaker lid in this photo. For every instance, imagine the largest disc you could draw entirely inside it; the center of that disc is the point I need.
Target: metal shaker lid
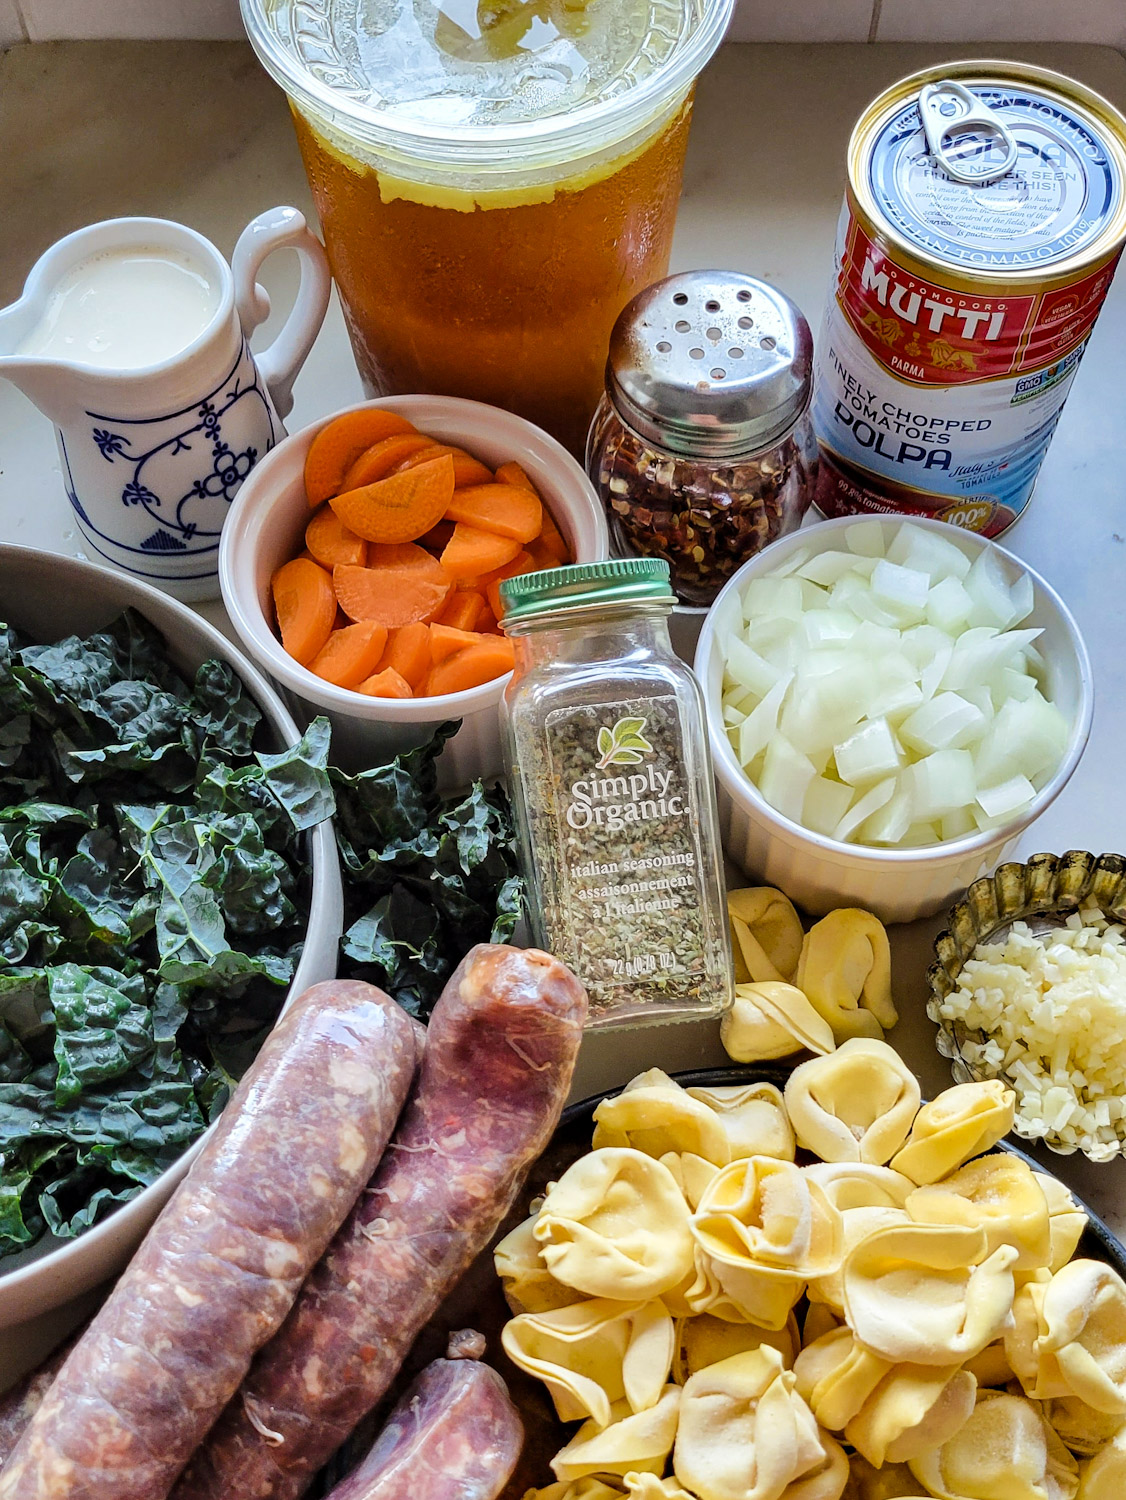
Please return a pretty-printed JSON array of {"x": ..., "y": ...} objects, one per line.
[{"x": 710, "y": 364}]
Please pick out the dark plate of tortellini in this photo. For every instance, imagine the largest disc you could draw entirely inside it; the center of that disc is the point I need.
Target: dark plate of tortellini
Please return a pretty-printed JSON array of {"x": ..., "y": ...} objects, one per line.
[{"x": 766, "y": 1283}]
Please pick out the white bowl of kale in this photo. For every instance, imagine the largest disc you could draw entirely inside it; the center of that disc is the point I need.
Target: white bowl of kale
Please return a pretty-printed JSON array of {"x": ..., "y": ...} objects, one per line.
[{"x": 167, "y": 880}]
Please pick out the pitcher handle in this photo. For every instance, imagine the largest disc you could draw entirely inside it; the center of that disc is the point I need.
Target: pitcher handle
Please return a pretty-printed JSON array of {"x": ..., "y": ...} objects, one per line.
[{"x": 281, "y": 229}]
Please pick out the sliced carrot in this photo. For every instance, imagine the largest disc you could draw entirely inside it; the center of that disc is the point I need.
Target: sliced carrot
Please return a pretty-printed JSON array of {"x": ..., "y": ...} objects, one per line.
[
  {"x": 541, "y": 554},
  {"x": 445, "y": 640},
  {"x": 408, "y": 653},
  {"x": 471, "y": 666},
  {"x": 389, "y": 596},
  {"x": 438, "y": 536},
  {"x": 400, "y": 508},
  {"x": 386, "y": 684},
  {"x": 305, "y": 605},
  {"x": 307, "y": 556},
  {"x": 377, "y": 462},
  {"x": 464, "y": 609},
  {"x": 467, "y": 469},
  {"x": 503, "y": 508},
  {"x": 487, "y": 623},
  {"x": 512, "y": 473},
  {"x": 521, "y": 563},
  {"x": 330, "y": 541},
  {"x": 552, "y": 538},
  {"x": 408, "y": 556},
  {"x": 351, "y": 654},
  {"x": 337, "y": 446},
  {"x": 472, "y": 552}
]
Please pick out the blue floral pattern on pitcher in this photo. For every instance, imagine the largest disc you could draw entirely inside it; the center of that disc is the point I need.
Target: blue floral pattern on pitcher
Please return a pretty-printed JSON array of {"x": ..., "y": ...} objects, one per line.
[{"x": 182, "y": 470}]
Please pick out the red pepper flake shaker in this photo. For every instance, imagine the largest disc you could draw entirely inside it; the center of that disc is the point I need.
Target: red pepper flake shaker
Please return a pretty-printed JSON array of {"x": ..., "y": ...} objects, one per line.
[{"x": 702, "y": 448}]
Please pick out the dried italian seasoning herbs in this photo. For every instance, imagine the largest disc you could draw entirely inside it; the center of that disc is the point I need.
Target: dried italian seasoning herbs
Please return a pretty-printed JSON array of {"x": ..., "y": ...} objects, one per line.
[{"x": 614, "y": 798}]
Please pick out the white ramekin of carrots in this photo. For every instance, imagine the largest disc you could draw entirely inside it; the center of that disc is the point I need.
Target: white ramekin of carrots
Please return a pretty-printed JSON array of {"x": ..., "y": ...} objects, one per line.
[{"x": 361, "y": 561}]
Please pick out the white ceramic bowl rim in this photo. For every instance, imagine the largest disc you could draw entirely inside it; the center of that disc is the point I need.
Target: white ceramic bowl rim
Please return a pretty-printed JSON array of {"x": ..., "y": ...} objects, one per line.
[
  {"x": 322, "y": 897},
  {"x": 253, "y": 625},
  {"x": 739, "y": 784}
]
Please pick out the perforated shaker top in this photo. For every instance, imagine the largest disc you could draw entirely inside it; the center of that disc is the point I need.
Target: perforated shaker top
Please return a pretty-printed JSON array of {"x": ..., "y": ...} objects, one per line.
[{"x": 711, "y": 364}]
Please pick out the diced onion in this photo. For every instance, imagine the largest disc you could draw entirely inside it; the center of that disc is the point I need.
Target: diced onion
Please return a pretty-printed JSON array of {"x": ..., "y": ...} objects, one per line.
[{"x": 885, "y": 694}]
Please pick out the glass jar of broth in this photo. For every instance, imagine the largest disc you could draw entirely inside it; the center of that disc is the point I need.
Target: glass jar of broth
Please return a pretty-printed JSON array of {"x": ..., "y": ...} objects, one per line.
[{"x": 495, "y": 179}]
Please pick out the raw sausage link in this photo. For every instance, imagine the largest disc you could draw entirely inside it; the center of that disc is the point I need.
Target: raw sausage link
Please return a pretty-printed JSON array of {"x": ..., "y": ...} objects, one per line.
[
  {"x": 19, "y": 1404},
  {"x": 499, "y": 1056},
  {"x": 455, "y": 1435},
  {"x": 222, "y": 1265}
]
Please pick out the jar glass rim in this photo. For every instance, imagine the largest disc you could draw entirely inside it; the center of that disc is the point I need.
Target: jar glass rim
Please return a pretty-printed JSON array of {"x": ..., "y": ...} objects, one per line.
[{"x": 554, "y": 139}]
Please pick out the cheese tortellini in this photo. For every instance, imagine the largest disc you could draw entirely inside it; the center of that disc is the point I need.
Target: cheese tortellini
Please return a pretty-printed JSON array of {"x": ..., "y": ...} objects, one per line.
[
  {"x": 772, "y": 1019},
  {"x": 929, "y": 1294},
  {"x": 1069, "y": 1337},
  {"x": 654, "y": 1115},
  {"x": 594, "y": 1354},
  {"x": 857, "y": 1104},
  {"x": 692, "y": 1175},
  {"x": 1005, "y": 1451},
  {"x": 1104, "y": 1476},
  {"x": 1080, "y": 1427},
  {"x": 630, "y": 1442},
  {"x": 649, "y": 1487},
  {"x": 764, "y": 1228},
  {"x": 845, "y": 973},
  {"x": 528, "y": 1285},
  {"x": 999, "y": 1194},
  {"x": 867, "y": 1198},
  {"x": 1066, "y": 1220},
  {"x": 745, "y": 1433},
  {"x": 948, "y": 1339},
  {"x": 754, "y": 1119},
  {"x": 888, "y": 1412},
  {"x": 766, "y": 934},
  {"x": 616, "y": 1225},
  {"x": 962, "y": 1122},
  {"x": 704, "y": 1341}
]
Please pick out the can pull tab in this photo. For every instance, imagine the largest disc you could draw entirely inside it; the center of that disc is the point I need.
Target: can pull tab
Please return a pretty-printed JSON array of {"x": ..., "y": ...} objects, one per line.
[{"x": 965, "y": 135}]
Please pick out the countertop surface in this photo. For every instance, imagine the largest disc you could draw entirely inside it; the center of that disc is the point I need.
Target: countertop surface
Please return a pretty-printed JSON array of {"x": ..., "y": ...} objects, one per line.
[{"x": 196, "y": 132}]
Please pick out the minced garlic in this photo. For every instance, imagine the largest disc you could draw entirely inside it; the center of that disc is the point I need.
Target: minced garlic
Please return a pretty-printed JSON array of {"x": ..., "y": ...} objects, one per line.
[{"x": 1051, "y": 1014}]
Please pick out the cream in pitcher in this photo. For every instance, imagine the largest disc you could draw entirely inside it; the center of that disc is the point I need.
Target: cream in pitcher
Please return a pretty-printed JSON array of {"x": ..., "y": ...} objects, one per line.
[
  {"x": 132, "y": 336},
  {"x": 125, "y": 308}
]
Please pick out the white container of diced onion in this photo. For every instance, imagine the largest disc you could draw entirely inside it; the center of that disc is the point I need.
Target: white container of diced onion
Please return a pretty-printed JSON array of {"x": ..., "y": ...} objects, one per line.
[{"x": 928, "y": 721}]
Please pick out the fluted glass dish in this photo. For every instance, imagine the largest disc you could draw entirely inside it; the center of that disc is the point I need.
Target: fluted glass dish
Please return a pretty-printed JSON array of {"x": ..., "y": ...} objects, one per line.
[{"x": 1043, "y": 892}]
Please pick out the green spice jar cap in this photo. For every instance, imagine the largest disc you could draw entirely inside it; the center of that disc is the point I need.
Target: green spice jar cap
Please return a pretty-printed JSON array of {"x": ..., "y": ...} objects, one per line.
[{"x": 620, "y": 580}]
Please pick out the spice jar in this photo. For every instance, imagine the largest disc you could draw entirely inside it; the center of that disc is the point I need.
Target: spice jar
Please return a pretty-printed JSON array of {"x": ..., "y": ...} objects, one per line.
[
  {"x": 613, "y": 792},
  {"x": 702, "y": 448}
]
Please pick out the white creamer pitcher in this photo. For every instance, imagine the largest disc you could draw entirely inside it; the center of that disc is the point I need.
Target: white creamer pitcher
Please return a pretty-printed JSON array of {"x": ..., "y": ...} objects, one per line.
[{"x": 153, "y": 453}]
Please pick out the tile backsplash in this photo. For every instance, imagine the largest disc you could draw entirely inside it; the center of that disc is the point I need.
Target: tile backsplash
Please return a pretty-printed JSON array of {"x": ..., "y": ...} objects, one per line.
[{"x": 755, "y": 20}]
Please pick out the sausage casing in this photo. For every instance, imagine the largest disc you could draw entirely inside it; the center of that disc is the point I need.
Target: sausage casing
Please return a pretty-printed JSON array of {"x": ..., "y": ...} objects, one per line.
[
  {"x": 455, "y": 1435},
  {"x": 221, "y": 1266},
  {"x": 499, "y": 1056}
]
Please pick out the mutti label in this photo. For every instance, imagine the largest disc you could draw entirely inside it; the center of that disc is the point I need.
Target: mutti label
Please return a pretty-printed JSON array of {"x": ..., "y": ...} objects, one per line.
[{"x": 931, "y": 335}]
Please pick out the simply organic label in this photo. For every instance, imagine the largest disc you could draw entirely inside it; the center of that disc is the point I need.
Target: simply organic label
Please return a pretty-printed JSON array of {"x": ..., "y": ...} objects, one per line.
[{"x": 627, "y": 851}]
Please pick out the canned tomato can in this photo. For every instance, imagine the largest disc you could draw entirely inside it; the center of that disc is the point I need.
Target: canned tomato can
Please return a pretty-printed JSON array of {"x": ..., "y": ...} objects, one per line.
[{"x": 984, "y": 215}]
